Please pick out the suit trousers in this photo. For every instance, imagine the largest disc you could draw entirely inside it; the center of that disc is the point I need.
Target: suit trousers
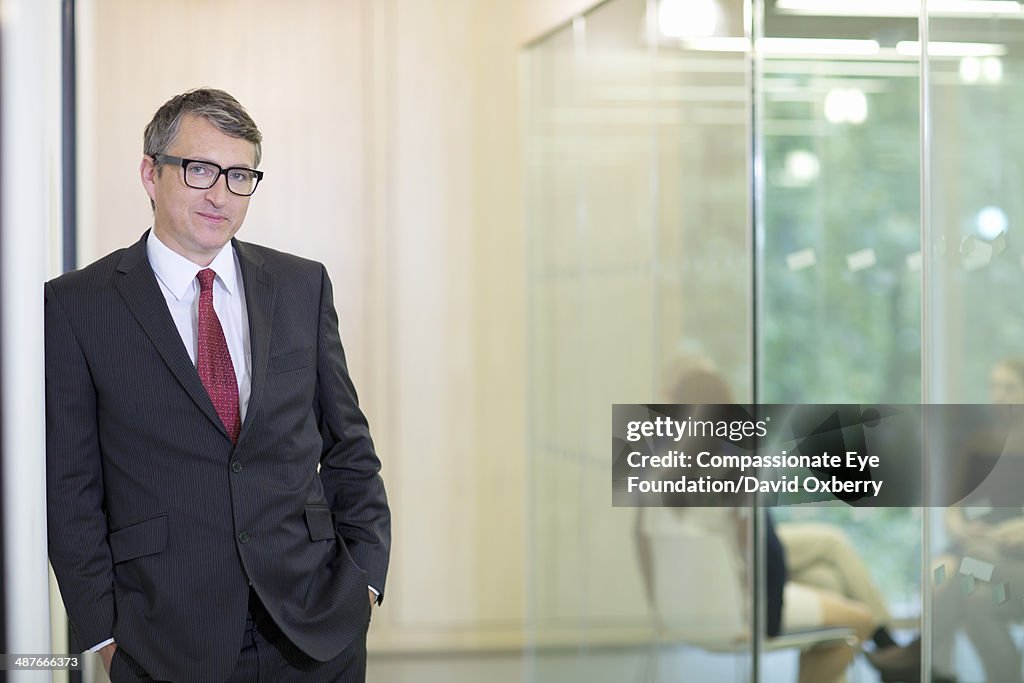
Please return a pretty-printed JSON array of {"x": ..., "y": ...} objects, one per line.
[{"x": 267, "y": 656}]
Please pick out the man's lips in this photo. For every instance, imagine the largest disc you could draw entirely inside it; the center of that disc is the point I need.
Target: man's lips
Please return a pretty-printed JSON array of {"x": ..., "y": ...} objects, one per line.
[{"x": 213, "y": 217}]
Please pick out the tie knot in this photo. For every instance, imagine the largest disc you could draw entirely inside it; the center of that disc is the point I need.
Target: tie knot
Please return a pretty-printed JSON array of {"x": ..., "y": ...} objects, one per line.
[{"x": 206, "y": 277}]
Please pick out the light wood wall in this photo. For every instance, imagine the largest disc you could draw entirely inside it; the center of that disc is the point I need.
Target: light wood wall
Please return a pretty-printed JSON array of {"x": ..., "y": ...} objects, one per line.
[{"x": 392, "y": 155}]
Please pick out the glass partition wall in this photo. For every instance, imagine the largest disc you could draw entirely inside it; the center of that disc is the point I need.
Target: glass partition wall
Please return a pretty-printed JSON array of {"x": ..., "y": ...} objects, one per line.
[
  {"x": 972, "y": 334},
  {"x": 814, "y": 201}
]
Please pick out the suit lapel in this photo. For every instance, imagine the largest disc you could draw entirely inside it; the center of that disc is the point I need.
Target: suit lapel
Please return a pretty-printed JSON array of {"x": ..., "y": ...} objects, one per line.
[
  {"x": 138, "y": 287},
  {"x": 260, "y": 294}
]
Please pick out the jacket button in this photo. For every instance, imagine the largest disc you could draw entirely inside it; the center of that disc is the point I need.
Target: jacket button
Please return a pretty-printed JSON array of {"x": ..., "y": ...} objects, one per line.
[
  {"x": 243, "y": 537},
  {"x": 236, "y": 466}
]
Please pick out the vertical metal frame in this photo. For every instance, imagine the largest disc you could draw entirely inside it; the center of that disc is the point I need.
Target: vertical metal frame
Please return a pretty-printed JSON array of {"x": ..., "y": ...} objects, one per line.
[
  {"x": 3, "y": 403},
  {"x": 754, "y": 31},
  {"x": 69, "y": 138},
  {"x": 927, "y": 352},
  {"x": 69, "y": 167}
]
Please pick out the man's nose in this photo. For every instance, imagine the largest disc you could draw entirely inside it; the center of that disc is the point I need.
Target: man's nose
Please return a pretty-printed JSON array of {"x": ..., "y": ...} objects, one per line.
[{"x": 218, "y": 193}]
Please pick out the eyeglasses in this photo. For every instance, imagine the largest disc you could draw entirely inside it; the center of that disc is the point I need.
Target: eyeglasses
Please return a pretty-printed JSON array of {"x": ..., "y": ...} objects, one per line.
[{"x": 202, "y": 175}]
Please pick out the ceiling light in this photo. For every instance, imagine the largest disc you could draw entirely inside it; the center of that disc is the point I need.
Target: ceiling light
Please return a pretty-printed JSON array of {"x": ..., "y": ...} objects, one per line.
[
  {"x": 991, "y": 222},
  {"x": 687, "y": 18},
  {"x": 970, "y": 69},
  {"x": 992, "y": 69},
  {"x": 790, "y": 47},
  {"x": 912, "y": 48},
  {"x": 817, "y": 46},
  {"x": 900, "y": 8},
  {"x": 801, "y": 168},
  {"x": 846, "y": 105}
]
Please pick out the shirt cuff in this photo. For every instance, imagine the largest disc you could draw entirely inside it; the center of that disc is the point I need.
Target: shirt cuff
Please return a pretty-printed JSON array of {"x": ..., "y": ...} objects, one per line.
[{"x": 108, "y": 641}]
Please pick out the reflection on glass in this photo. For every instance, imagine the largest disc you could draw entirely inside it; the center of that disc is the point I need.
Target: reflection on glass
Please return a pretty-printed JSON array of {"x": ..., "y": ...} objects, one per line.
[
  {"x": 974, "y": 327},
  {"x": 641, "y": 246},
  {"x": 840, "y": 256},
  {"x": 638, "y": 237}
]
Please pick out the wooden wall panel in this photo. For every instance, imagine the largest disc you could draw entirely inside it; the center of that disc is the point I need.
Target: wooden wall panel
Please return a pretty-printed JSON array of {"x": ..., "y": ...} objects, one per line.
[{"x": 392, "y": 154}]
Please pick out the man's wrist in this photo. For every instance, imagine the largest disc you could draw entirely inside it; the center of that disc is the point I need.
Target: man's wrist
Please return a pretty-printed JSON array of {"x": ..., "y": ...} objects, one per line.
[{"x": 99, "y": 646}]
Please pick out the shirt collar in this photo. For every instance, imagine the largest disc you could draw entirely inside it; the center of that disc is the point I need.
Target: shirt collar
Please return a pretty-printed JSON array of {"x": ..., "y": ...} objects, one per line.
[{"x": 177, "y": 273}]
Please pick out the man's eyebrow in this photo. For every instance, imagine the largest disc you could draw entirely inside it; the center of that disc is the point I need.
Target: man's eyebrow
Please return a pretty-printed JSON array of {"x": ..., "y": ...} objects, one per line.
[{"x": 216, "y": 163}]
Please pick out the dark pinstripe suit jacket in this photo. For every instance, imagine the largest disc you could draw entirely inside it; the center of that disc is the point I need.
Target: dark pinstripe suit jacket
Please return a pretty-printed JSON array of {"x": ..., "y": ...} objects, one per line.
[{"x": 156, "y": 523}]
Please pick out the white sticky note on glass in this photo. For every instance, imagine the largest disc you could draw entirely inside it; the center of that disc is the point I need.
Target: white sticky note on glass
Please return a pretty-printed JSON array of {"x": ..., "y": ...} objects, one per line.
[
  {"x": 859, "y": 260},
  {"x": 973, "y": 512},
  {"x": 799, "y": 260},
  {"x": 914, "y": 262},
  {"x": 979, "y": 569}
]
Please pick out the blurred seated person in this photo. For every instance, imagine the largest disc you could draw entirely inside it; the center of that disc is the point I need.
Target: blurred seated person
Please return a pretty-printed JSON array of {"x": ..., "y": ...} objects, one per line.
[
  {"x": 979, "y": 581},
  {"x": 813, "y": 576}
]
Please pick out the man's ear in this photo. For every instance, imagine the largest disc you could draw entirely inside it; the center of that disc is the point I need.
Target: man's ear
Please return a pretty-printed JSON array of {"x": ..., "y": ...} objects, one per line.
[{"x": 148, "y": 172}]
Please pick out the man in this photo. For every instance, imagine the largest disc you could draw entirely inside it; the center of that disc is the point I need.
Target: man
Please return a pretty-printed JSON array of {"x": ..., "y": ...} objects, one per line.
[{"x": 215, "y": 510}]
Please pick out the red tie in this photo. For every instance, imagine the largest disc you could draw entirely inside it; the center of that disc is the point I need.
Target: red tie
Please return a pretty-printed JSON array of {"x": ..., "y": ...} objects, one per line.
[{"x": 214, "y": 361}]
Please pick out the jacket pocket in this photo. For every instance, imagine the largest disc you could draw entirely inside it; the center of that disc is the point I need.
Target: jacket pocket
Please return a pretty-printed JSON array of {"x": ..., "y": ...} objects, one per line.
[
  {"x": 291, "y": 361},
  {"x": 147, "y": 537},
  {"x": 320, "y": 523}
]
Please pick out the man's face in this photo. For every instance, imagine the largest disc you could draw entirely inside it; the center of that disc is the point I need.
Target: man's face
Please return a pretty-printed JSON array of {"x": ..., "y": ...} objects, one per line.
[{"x": 197, "y": 223}]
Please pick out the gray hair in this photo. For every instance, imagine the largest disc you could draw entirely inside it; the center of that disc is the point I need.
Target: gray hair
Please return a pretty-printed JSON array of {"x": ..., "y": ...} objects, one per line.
[{"x": 216, "y": 106}]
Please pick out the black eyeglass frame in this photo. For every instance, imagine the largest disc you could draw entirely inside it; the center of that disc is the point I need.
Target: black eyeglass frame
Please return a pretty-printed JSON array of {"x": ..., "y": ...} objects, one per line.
[{"x": 179, "y": 161}]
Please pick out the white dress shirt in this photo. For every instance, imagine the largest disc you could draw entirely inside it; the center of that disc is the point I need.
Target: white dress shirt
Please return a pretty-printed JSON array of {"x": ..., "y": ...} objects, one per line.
[{"x": 178, "y": 283}]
